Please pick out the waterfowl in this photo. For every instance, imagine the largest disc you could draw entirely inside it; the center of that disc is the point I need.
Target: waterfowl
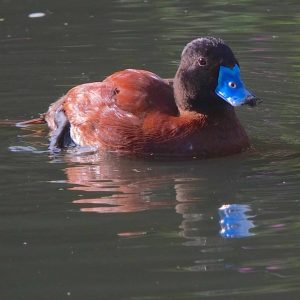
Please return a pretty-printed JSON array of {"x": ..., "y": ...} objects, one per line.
[{"x": 138, "y": 113}]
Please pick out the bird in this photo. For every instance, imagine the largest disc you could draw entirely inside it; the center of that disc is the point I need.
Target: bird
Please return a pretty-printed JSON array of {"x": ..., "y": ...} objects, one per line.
[{"x": 137, "y": 113}]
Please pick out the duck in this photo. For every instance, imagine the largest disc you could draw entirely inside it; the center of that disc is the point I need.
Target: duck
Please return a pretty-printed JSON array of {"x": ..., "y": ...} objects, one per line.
[{"x": 136, "y": 112}]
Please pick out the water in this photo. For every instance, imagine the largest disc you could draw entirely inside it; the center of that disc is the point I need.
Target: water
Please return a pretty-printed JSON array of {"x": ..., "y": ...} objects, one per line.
[{"x": 96, "y": 226}]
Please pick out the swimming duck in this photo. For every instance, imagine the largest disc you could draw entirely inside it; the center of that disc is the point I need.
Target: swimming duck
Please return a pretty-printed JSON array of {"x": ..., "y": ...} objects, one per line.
[{"x": 136, "y": 112}]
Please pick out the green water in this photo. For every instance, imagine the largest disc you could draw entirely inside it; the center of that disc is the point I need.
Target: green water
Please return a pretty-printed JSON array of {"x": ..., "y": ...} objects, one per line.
[{"x": 88, "y": 226}]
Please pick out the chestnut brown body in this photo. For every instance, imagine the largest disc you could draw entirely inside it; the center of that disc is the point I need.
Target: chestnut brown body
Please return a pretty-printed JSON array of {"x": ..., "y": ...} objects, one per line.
[{"x": 137, "y": 112}]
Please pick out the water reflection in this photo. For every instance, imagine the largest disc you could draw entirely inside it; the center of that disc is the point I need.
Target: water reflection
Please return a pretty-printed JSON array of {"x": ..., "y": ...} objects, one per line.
[
  {"x": 235, "y": 220},
  {"x": 117, "y": 194},
  {"x": 116, "y": 185},
  {"x": 208, "y": 232}
]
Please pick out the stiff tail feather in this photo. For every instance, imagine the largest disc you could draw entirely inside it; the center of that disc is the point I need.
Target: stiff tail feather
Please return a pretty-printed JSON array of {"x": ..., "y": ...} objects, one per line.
[{"x": 36, "y": 121}]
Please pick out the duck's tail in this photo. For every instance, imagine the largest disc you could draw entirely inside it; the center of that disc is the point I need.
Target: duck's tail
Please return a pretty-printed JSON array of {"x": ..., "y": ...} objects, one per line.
[{"x": 40, "y": 120}]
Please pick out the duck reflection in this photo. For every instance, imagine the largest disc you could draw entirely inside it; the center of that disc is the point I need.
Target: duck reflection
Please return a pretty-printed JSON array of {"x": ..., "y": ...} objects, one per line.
[
  {"x": 109, "y": 184},
  {"x": 113, "y": 185},
  {"x": 197, "y": 190}
]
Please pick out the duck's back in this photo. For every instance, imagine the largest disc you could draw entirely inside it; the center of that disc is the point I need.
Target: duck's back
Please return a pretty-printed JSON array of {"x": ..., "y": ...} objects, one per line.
[
  {"x": 111, "y": 114},
  {"x": 140, "y": 91}
]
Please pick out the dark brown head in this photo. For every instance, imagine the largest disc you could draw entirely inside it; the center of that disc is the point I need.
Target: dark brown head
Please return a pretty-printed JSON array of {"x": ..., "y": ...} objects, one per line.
[{"x": 208, "y": 78}]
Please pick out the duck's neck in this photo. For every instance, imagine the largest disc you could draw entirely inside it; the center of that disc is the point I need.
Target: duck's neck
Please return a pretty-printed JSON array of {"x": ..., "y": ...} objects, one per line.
[{"x": 191, "y": 96}]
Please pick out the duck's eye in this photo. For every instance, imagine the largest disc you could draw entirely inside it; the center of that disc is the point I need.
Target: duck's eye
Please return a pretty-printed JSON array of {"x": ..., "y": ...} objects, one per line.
[
  {"x": 202, "y": 61},
  {"x": 232, "y": 84}
]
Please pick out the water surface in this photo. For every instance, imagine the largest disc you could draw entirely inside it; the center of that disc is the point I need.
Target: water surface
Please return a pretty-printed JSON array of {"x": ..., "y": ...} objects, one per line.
[{"x": 97, "y": 226}]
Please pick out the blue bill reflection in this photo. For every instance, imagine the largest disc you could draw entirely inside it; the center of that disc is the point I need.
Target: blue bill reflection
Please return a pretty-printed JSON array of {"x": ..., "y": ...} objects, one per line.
[{"x": 235, "y": 221}]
